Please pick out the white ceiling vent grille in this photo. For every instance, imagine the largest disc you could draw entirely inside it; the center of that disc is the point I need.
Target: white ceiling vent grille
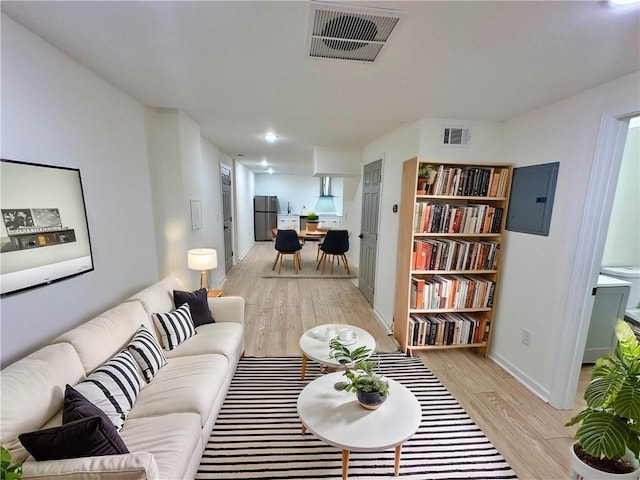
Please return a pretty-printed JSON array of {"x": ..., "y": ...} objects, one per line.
[
  {"x": 456, "y": 137},
  {"x": 347, "y": 32}
]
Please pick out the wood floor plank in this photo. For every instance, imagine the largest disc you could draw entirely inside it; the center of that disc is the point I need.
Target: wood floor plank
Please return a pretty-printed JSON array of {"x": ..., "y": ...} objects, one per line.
[{"x": 527, "y": 431}]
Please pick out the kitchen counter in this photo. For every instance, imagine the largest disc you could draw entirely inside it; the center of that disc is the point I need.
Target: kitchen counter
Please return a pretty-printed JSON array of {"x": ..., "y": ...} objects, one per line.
[{"x": 606, "y": 281}]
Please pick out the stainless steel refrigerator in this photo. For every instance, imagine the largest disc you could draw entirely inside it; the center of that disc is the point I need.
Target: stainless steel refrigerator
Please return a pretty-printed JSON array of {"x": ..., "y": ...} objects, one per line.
[{"x": 265, "y": 216}]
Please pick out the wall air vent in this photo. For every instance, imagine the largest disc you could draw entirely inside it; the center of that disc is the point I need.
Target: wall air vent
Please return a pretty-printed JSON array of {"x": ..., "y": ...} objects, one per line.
[
  {"x": 348, "y": 33},
  {"x": 456, "y": 137}
]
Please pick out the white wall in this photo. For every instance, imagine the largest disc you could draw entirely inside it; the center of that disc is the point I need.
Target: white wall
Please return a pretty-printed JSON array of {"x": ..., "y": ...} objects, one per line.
[
  {"x": 536, "y": 269},
  {"x": 299, "y": 191},
  {"x": 184, "y": 167},
  {"x": 244, "y": 183},
  {"x": 394, "y": 148},
  {"x": 212, "y": 234},
  {"x": 56, "y": 112},
  {"x": 623, "y": 238}
]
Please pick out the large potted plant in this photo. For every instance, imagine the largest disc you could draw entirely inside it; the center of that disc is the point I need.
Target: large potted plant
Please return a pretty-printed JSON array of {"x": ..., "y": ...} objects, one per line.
[
  {"x": 8, "y": 470},
  {"x": 608, "y": 439},
  {"x": 371, "y": 389},
  {"x": 312, "y": 221}
]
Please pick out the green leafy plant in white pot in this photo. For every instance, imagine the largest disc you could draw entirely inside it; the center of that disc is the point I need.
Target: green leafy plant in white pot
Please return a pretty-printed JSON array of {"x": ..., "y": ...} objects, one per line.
[{"x": 608, "y": 438}]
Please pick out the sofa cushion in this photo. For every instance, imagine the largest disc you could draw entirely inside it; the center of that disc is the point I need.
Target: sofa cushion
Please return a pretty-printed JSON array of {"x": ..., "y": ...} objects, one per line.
[
  {"x": 175, "y": 327},
  {"x": 185, "y": 384},
  {"x": 32, "y": 390},
  {"x": 172, "y": 439},
  {"x": 87, "y": 437},
  {"x": 158, "y": 297},
  {"x": 146, "y": 352},
  {"x": 200, "y": 313},
  {"x": 114, "y": 387},
  {"x": 97, "y": 340},
  {"x": 225, "y": 338}
]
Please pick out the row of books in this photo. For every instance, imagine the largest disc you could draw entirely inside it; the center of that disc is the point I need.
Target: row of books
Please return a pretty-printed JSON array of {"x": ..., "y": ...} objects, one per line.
[
  {"x": 470, "y": 182},
  {"x": 451, "y": 292},
  {"x": 446, "y": 329},
  {"x": 448, "y": 254},
  {"x": 452, "y": 218}
]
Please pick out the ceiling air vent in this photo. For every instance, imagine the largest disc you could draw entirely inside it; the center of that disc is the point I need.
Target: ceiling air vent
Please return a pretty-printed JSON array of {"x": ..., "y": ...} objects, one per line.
[
  {"x": 348, "y": 33},
  {"x": 458, "y": 137}
]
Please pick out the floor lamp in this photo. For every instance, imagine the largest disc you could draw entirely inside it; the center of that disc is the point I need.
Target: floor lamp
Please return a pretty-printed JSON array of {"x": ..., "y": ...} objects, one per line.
[{"x": 202, "y": 259}]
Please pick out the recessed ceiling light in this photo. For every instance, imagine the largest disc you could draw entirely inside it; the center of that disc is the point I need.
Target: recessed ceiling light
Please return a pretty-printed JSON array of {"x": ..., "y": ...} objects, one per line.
[
  {"x": 270, "y": 137},
  {"x": 270, "y": 170},
  {"x": 264, "y": 163}
]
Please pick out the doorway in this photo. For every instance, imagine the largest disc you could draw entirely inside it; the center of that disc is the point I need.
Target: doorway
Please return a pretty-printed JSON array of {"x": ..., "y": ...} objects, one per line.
[
  {"x": 227, "y": 219},
  {"x": 371, "y": 178},
  {"x": 588, "y": 256}
]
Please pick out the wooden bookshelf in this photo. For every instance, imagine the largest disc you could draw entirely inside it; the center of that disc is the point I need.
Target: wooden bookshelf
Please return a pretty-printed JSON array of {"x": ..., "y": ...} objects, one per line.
[{"x": 450, "y": 242}]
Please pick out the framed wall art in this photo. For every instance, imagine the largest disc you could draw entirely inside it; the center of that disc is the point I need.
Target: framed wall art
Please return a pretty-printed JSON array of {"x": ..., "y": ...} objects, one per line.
[{"x": 44, "y": 233}]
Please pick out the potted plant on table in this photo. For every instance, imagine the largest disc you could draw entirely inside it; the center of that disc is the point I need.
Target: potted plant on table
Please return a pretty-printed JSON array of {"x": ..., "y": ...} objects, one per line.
[
  {"x": 426, "y": 177},
  {"x": 608, "y": 439},
  {"x": 312, "y": 221},
  {"x": 371, "y": 390}
]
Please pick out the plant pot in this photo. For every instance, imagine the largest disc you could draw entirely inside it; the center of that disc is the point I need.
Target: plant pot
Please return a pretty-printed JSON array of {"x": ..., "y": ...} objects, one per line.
[
  {"x": 422, "y": 186},
  {"x": 312, "y": 225},
  {"x": 581, "y": 469},
  {"x": 370, "y": 400}
]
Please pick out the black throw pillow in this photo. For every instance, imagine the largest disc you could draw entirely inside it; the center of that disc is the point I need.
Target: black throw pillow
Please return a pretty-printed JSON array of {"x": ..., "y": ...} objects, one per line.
[
  {"x": 87, "y": 437},
  {"x": 200, "y": 313},
  {"x": 76, "y": 407}
]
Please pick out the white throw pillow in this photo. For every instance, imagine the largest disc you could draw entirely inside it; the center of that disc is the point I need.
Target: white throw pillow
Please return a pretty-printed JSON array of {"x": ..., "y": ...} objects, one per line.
[
  {"x": 147, "y": 353},
  {"x": 114, "y": 387},
  {"x": 175, "y": 327}
]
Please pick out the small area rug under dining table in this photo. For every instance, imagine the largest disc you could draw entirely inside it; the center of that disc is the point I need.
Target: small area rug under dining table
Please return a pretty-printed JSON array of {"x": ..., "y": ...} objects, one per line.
[{"x": 258, "y": 433}]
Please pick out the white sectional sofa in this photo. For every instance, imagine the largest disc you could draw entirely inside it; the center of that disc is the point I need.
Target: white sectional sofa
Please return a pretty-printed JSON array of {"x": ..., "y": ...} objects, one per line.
[{"x": 172, "y": 418}]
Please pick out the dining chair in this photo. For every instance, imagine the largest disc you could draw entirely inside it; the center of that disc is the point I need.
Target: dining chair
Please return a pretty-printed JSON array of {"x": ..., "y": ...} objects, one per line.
[
  {"x": 335, "y": 244},
  {"x": 287, "y": 243}
]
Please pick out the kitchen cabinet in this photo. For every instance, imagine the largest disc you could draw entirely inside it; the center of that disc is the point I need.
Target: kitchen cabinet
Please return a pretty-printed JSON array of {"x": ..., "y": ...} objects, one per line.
[
  {"x": 608, "y": 306},
  {"x": 287, "y": 222},
  {"x": 329, "y": 221}
]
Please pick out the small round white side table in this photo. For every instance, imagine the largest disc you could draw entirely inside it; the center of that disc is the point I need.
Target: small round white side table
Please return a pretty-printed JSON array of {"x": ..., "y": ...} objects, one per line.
[{"x": 317, "y": 349}]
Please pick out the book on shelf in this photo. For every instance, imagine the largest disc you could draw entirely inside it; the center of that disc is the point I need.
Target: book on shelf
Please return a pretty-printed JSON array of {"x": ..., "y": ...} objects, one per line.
[
  {"x": 446, "y": 329},
  {"x": 441, "y": 292},
  {"x": 450, "y": 218},
  {"x": 469, "y": 181},
  {"x": 454, "y": 255}
]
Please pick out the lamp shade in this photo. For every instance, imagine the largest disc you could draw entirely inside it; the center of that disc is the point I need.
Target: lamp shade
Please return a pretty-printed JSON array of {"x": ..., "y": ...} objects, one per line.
[{"x": 202, "y": 259}]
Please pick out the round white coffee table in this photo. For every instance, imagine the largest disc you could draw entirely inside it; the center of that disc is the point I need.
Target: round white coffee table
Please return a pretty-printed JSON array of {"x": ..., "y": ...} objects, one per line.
[
  {"x": 338, "y": 419},
  {"x": 317, "y": 349}
]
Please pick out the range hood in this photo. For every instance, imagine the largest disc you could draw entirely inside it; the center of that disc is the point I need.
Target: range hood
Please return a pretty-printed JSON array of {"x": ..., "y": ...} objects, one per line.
[
  {"x": 325, "y": 187},
  {"x": 325, "y": 202}
]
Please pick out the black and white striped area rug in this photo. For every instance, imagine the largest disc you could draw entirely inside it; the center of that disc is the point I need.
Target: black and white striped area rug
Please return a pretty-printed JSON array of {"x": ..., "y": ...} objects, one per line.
[{"x": 257, "y": 433}]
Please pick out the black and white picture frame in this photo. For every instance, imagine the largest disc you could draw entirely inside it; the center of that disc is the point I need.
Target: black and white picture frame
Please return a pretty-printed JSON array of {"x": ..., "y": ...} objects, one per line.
[{"x": 44, "y": 232}]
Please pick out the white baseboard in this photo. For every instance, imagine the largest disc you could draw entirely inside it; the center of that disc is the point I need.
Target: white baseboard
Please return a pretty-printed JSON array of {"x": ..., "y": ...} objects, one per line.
[{"x": 522, "y": 377}]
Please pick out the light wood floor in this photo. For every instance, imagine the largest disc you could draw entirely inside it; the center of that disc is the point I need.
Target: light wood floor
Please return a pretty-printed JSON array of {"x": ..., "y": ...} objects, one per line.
[{"x": 527, "y": 431}]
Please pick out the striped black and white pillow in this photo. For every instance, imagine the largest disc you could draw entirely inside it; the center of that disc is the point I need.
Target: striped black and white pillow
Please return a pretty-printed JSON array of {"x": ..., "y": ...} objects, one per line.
[
  {"x": 175, "y": 327},
  {"x": 114, "y": 387},
  {"x": 147, "y": 353}
]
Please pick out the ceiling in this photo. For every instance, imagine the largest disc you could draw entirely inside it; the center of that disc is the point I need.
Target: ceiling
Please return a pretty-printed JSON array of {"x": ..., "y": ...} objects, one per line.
[{"x": 239, "y": 68}]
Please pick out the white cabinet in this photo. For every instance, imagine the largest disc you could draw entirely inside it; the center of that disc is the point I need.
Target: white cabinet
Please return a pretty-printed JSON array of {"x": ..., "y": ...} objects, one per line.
[
  {"x": 608, "y": 306},
  {"x": 287, "y": 222},
  {"x": 329, "y": 221}
]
